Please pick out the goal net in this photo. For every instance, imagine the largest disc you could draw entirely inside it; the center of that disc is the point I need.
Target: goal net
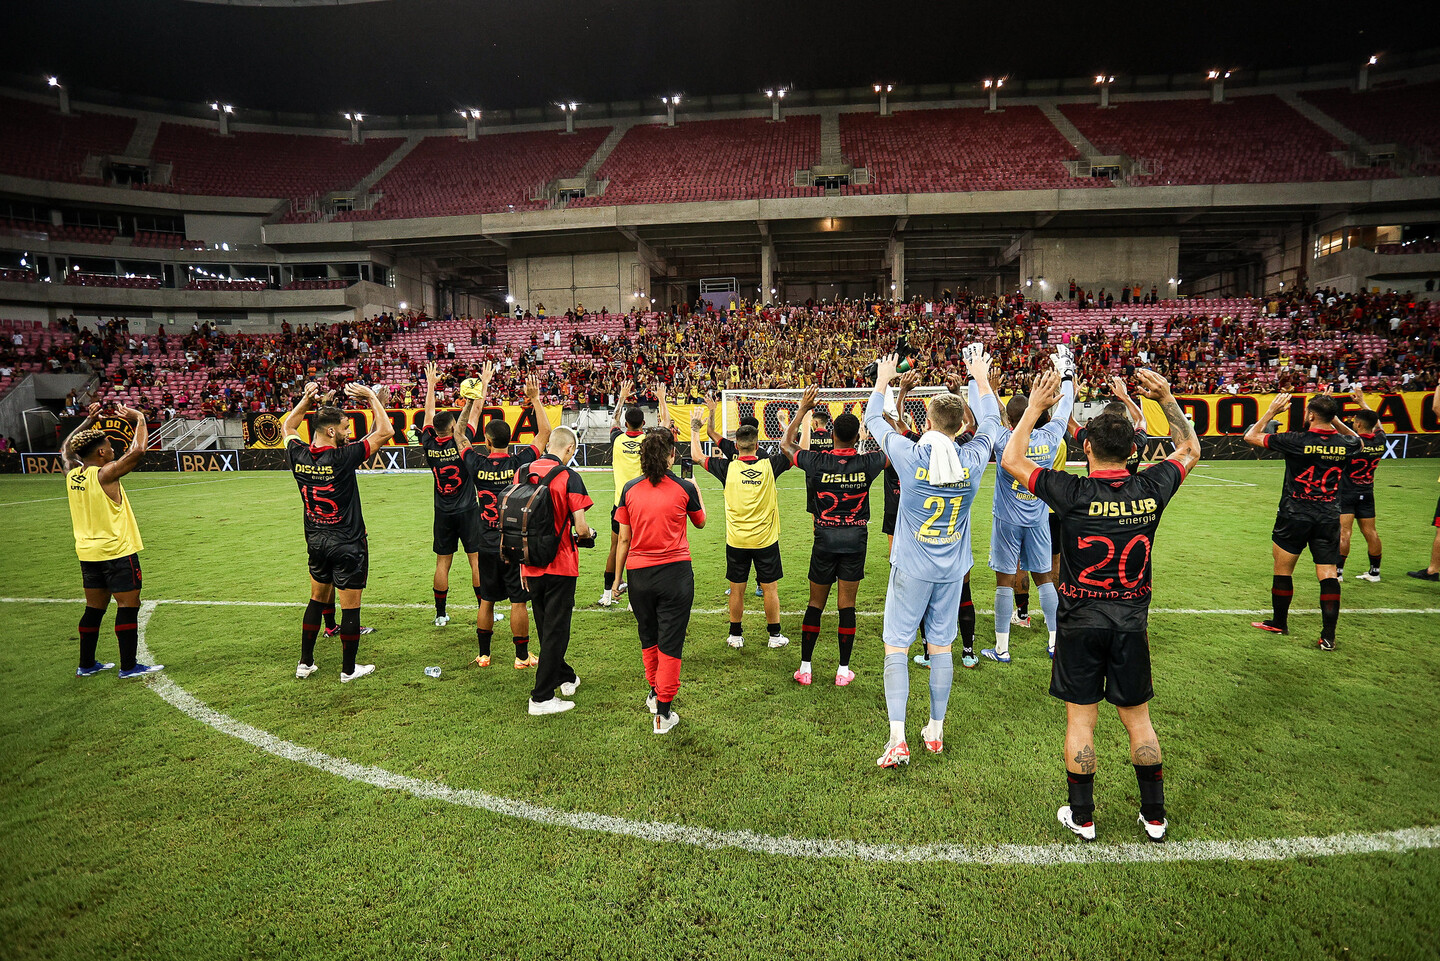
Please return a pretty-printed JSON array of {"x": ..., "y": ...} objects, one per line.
[{"x": 774, "y": 409}]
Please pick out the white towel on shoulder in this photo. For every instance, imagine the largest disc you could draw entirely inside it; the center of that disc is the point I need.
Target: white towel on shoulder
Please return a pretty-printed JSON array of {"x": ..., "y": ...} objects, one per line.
[{"x": 945, "y": 469}]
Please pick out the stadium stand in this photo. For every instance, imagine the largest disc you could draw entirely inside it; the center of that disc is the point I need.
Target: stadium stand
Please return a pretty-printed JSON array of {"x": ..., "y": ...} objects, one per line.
[
  {"x": 708, "y": 160},
  {"x": 80, "y": 279},
  {"x": 448, "y": 176},
  {"x": 290, "y": 166},
  {"x": 1408, "y": 114},
  {"x": 11, "y": 275},
  {"x": 37, "y": 141},
  {"x": 227, "y": 285},
  {"x": 164, "y": 241},
  {"x": 921, "y": 151},
  {"x": 318, "y": 284},
  {"x": 1254, "y": 139}
]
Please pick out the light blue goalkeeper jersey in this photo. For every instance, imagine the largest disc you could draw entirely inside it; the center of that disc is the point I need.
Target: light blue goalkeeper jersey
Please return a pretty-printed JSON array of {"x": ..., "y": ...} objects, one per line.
[
  {"x": 932, "y": 528},
  {"x": 1015, "y": 506}
]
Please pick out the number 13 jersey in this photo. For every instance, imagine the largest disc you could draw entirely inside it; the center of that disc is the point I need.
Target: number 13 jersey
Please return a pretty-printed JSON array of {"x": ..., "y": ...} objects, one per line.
[
  {"x": 837, "y": 493},
  {"x": 1108, "y": 522}
]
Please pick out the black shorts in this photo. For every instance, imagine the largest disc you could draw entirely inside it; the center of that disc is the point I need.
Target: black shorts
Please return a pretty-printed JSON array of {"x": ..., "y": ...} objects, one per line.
[
  {"x": 1295, "y": 532},
  {"x": 1054, "y": 534},
  {"x": 119, "y": 576},
  {"x": 452, "y": 530},
  {"x": 887, "y": 523},
  {"x": 499, "y": 580},
  {"x": 766, "y": 561},
  {"x": 827, "y": 567},
  {"x": 1437, "y": 513},
  {"x": 345, "y": 564},
  {"x": 1095, "y": 664},
  {"x": 1361, "y": 503}
]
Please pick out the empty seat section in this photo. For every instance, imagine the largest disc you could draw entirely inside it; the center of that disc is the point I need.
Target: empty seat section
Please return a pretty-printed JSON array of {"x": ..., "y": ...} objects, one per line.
[
  {"x": 1406, "y": 114},
  {"x": 36, "y": 140}
]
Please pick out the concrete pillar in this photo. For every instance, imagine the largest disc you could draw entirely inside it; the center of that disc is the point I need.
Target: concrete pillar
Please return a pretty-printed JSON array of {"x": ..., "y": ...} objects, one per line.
[
  {"x": 767, "y": 272},
  {"x": 1217, "y": 90},
  {"x": 897, "y": 269}
]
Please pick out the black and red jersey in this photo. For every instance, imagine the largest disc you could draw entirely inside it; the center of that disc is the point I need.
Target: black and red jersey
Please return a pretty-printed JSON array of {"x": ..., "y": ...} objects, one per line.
[
  {"x": 493, "y": 473},
  {"x": 1315, "y": 460},
  {"x": 454, "y": 487},
  {"x": 1109, "y": 521},
  {"x": 1359, "y": 474},
  {"x": 1132, "y": 463},
  {"x": 326, "y": 478},
  {"x": 837, "y": 493}
]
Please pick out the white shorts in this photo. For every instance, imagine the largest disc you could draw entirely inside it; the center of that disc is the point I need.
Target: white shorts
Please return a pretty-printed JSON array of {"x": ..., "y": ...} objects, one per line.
[{"x": 910, "y": 602}]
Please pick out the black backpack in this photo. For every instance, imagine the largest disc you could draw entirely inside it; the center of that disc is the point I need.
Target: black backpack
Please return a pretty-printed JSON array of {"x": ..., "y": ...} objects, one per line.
[{"x": 527, "y": 521}]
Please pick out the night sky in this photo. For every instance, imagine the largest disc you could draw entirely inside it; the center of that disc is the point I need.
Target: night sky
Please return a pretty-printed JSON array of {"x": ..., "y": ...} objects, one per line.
[{"x": 429, "y": 56}]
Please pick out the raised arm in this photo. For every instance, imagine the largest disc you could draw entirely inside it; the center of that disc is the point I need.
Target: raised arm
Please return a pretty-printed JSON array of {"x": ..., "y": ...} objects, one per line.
[
  {"x": 68, "y": 459},
  {"x": 382, "y": 430},
  {"x": 290, "y": 426},
  {"x": 1359, "y": 395},
  {"x": 1137, "y": 413},
  {"x": 697, "y": 420},
  {"x": 128, "y": 461},
  {"x": 908, "y": 382},
  {"x": 542, "y": 422},
  {"x": 664, "y": 412},
  {"x": 1182, "y": 432},
  {"x": 1015, "y": 459},
  {"x": 710, "y": 404},
  {"x": 790, "y": 444},
  {"x": 620, "y": 400},
  {"x": 432, "y": 377},
  {"x": 1255, "y": 435}
]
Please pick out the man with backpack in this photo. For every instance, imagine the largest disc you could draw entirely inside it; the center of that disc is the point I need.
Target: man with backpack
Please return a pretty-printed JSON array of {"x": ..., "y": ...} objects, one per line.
[{"x": 536, "y": 516}]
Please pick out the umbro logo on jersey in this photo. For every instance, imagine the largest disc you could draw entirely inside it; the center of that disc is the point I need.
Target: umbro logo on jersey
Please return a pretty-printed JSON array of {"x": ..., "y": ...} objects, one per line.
[{"x": 751, "y": 473}]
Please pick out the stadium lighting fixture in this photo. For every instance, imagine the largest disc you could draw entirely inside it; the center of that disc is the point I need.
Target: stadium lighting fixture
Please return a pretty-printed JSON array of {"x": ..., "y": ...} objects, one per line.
[
  {"x": 472, "y": 121},
  {"x": 776, "y": 95},
  {"x": 568, "y": 109},
  {"x": 1217, "y": 80},
  {"x": 404, "y": 305},
  {"x": 223, "y": 112},
  {"x": 993, "y": 85},
  {"x": 1103, "y": 81},
  {"x": 509, "y": 298},
  {"x": 53, "y": 82},
  {"x": 1362, "y": 82},
  {"x": 884, "y": 90},
  {"x": 355, "y": 120},
  {"x": 671, "y": 101}
]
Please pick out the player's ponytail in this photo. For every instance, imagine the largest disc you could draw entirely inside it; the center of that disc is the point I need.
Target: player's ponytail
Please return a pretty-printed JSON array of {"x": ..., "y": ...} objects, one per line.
[{"x": 655, "y": 452}]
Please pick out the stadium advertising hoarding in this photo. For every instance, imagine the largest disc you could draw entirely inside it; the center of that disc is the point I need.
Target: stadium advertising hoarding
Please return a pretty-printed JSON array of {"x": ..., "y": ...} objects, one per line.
[
  {"x": 263, "y": 428},
  {"x": 1216, "y": 415}
]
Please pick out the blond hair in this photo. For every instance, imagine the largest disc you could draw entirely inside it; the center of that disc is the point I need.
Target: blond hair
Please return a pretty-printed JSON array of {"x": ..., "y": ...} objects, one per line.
[{"x": 947, "y": 413}]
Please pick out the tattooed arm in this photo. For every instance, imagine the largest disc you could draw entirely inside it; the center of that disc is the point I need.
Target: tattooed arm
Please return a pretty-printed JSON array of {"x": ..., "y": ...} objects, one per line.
[{"x": 1182, "y": 432}]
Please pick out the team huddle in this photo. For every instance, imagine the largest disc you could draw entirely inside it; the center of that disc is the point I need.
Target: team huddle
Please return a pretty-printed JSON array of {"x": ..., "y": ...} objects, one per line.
[{"x": 518, "y": 512}]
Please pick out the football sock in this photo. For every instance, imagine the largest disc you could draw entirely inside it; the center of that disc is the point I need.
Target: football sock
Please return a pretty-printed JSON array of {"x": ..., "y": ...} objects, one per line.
[
  {"x": 1340, "y": 568},
  {"x": 609, "y": 580},
  {"x": 897, "y": 690},
  {"x": 482, "y": 640},
  {"x": 128, "y": 634},
  {"x": 1329, "y": 607},
  {"x": 847, "y": 635},
  {"x": 942, "y": 675},
  {"x": 967, "y": 621},
  {"x": 1282, "y": 589},
  {"x": 1152, "y": 791},
  {"x": 662, "y": 708},
  {"x": 90, "y": 622},
  {"x": 1052, "y": 640},
  {"x": 522, "y": 647},
  {"x": 349, "y": 637},
  {"x": 440, "y": 602},
  {"x": 329, "y": 614},
  {"x": 1004, "y": 605},
  {"x": 774, "y": 629},
  {"x": 1022, "y": 603},
  {"x": 1049, "y": 605},
  {"x": 809, "y": 634},
  {"x": 1082, "y": 796},
  {"x": 650, "y": 657},
  {"x": 1374, "y": 563},
  {"x": 309, "y": 628},
  {"x": 734, "y": 628}
]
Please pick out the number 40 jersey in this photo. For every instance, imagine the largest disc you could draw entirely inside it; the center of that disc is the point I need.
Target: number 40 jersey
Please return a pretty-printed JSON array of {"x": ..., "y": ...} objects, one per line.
[{"x": 837, "y": 493}]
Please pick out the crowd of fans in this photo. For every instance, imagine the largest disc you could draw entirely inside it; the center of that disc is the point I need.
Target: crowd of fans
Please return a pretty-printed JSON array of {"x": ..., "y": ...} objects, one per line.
[{"x": 1288, "y": 342}]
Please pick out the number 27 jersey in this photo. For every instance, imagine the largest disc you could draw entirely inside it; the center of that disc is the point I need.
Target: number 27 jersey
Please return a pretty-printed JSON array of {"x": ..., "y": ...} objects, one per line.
[{"x": 837, "y": 484}]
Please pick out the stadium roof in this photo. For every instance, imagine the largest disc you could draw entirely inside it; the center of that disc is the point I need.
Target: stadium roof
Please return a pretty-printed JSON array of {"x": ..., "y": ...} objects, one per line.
[{"x": 427, "y": 57}]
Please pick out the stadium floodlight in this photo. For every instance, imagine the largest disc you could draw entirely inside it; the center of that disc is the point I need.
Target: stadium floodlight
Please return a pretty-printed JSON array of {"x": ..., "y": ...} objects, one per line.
[
  {"x": 1103, "y": 81},
  {"x": 472, "y": 121},
  {"x": 509, "y": 298},
  {"x": 993, "y": 85},
  {"x": 568, "y": 108},
  {"x": 1217, "y": 80},
  {"x": 355, "y": 120},
  {"x": 404, "y": 305},
  {"x": 884, "y": 90},
  {"x": 1362, "y": 83},
  {"x": 671, "y": 101},
  {"x": 776, "y": 95},
  {"x": 223, "y": 112},
  {"x": 53, "y": 82}
]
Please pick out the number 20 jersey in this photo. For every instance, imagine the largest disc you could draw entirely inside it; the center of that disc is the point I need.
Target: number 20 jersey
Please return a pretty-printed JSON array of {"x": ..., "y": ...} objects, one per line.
[
  {"x": 837, "y": 493},
  {"x": 326, "y": 478},
  {"x": 1108, "y": 523}
]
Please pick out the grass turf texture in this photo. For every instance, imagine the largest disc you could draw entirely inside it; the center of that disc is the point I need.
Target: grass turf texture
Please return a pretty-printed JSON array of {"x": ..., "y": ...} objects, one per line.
[{"x": 133, "y": 831}]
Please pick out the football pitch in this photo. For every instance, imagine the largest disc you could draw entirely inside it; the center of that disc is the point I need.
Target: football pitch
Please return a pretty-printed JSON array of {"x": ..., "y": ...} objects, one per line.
[{"x": 225, "y": 809}]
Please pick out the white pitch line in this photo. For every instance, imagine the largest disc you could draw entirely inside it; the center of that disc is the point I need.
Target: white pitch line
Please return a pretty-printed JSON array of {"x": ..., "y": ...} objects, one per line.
[
  {"x": 1227, "y": 482},
  {"x": 1039, "y": 855},
  {"x": 128, "y": 490},
  {"x": 1217, "y": 611}
]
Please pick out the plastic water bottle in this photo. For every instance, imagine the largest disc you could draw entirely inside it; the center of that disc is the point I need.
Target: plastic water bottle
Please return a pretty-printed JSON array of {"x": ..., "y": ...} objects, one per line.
[{"x": 432, "y": 672}]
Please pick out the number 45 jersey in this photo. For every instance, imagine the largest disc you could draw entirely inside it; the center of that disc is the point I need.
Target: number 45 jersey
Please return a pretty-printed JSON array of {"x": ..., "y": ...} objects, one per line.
[
  {"x": 837, "y": 493},
  {"x": 1107, "y": 523}
]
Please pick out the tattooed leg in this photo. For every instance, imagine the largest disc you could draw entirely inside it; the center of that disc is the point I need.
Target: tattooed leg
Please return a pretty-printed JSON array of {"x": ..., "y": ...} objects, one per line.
[{"x": 1080, "y": 738}]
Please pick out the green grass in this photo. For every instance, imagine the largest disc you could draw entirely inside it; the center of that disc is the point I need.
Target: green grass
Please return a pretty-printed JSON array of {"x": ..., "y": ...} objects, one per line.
[{"x": 131, "y": 830}]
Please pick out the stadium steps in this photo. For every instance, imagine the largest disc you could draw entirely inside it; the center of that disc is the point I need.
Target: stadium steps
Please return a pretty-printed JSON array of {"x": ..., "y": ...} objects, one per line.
[
  {"x": 1068, "y": 130},
  {"x": 143, "y": 139},
  {"x": 1324, "y": 121},
  {"x": 602, "y": 152},
  {"x": 388, "y": 164},
  {"x": 830, "y": 152}
]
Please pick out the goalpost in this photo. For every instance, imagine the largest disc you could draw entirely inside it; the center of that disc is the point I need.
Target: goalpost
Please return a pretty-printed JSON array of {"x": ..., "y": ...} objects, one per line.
[{"x": 774, "y": 409}]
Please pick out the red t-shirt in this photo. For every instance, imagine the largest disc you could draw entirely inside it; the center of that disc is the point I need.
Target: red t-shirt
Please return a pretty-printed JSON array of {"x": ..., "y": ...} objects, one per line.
[
  {"x": 656, "y": 515},
  {"x": 567, "y": 494}
]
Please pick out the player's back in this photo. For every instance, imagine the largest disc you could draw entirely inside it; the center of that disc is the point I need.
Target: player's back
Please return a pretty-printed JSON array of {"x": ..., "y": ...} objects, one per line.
[
  {"x": 1359, "y": 474},
  {"x": 454, "y": 485},
  {"x": 328, "y": 490},
  {"x": 493, "y": 472},
  {"x": 932, "y": 528},
  {"x": 837, "y": 494},
  {"x": 1315, "y": 460},
  {"x": 1014, "y": 505},
  {"x": 625, "y": 457}
]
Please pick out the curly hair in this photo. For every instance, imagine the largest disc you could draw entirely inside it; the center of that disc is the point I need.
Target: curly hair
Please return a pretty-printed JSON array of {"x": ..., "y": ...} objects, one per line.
[
  {"x": 86, "y": 442},
  {"x": 655, "y": 451}
]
